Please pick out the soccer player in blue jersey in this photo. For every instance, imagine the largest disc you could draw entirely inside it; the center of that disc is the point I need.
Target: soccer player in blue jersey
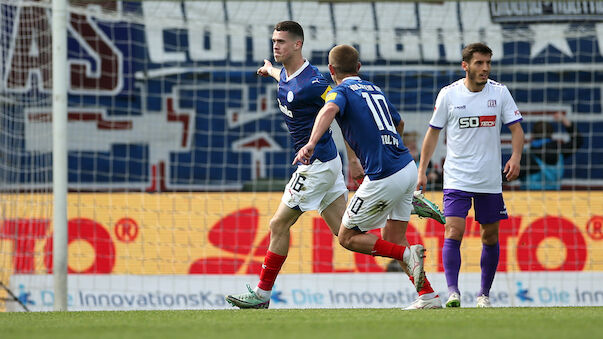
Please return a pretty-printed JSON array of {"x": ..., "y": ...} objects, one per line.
[
  {"x": 373, "y": 127},
  {"x": 316, "y": 186}
]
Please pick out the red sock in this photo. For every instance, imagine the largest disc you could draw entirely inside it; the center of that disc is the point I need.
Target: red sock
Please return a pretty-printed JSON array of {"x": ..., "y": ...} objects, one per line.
[
  {"x": 426, "y": 286},
  {"x": 388, "y": 249},
  {"x": 272, "y": 265}
]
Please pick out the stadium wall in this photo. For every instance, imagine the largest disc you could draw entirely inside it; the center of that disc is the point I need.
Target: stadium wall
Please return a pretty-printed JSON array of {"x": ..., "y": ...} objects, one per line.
[
  {"x": 163, "y": 95},
  {"x": 227, "y": 233}
]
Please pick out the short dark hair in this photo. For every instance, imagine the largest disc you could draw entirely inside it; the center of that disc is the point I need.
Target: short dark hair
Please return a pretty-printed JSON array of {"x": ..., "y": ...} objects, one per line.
[
  {"x": 476, "y": 47},
  {"x": 344, "y": 59},
  {"x": 292, "y": 27}
]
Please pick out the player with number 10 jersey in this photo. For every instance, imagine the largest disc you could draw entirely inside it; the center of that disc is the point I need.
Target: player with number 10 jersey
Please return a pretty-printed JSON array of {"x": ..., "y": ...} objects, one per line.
[
  {"x": 373, "y": 128},
  {"x": 380, "y": 150}
]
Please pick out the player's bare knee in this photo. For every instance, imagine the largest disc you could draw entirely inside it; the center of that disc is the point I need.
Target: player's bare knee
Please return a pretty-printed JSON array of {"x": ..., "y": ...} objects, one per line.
[
  {"x": 490, "y": 239},
  {"x": 278, "y": 227},
  {"x": 454, "y": 233},
  {"x": 489, "y": 234}
]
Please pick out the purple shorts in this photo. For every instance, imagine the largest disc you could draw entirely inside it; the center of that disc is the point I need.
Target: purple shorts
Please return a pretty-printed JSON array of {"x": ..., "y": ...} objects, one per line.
[{"x": 489, "y": 207}]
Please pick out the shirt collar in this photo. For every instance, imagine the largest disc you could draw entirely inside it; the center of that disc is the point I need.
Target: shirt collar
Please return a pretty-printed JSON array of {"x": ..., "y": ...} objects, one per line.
[
  {"x": 354, "y": 77},
  {"x": 299, "y": 70}
]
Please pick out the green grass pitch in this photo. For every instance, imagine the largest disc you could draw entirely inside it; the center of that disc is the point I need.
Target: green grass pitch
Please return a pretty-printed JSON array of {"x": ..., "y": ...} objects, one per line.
[{"x": 552, "y": 322}]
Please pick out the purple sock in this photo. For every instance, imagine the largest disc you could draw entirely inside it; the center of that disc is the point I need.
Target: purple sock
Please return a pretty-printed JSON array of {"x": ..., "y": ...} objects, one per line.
[
  {"x": 451, "y": 258},
  {"x": 489, "y": 263}
]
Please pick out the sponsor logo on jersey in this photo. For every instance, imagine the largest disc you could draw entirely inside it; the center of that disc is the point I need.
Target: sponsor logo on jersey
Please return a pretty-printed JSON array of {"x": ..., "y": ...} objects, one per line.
[
  {"x": 284, "y": 109},
  {"x": 492, "y": 103},
  {"x": 477, "y": 121},
  {"x": 460, "y": 107}
]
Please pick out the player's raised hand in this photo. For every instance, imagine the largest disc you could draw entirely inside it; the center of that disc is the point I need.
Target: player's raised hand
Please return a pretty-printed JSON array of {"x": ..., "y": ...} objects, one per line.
[
  {"x": 304, "y": 155},
  {"x": 421, "y": 181},
  {"x": 265, "y": 70}
]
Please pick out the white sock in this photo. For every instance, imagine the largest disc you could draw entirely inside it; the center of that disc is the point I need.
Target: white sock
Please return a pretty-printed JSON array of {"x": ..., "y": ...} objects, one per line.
[{"x": 263, "y": 294}]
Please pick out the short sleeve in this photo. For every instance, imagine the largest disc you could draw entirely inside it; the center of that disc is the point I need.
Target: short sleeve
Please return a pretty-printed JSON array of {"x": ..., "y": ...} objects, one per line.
[
  {"x": 440, "y": 111},
  {"x": 319, "y": 87},
  {"x": 510, "y": 112},
  {"x": 337, "y": 96}
]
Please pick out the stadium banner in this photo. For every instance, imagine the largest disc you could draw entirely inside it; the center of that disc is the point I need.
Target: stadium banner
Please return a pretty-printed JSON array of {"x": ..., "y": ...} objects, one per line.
[
  {"x": 140, "y": 106},
  {"x": 345, "y": 290},
  {"x": 227, "y": 233}
]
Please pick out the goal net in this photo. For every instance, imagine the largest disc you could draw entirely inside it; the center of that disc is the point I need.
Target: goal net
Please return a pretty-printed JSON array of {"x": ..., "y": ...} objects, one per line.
[{"x": 178, "y": 155}]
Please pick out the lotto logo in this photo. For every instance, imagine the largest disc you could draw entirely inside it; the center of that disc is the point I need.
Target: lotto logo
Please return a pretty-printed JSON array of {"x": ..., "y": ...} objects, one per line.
[{"x": 477, "y": 121}]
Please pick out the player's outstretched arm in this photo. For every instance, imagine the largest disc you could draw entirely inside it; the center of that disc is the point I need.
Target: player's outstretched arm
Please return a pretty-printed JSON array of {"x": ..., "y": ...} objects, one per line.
[
  {"x": 429, "y": 144},
  {"x": 323, "y": 121},
  {"x": 512, "y": 167},
  {"x": 269, "y": 70}
]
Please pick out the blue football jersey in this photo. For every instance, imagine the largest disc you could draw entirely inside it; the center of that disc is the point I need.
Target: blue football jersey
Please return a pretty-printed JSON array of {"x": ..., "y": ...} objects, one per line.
[
  {"x": 368, "y": 121},
  {"x": 300, "y": 97}
]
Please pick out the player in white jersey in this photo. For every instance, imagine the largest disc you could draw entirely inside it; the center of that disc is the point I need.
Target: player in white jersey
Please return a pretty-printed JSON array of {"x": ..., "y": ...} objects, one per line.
[
  {"x": 372, "y": 126},
  {"x": 473, "y": 109}
]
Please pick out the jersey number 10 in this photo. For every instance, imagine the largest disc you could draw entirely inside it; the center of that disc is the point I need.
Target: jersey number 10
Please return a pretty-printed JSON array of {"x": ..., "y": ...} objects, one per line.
[{"x": 378, "y": 106}]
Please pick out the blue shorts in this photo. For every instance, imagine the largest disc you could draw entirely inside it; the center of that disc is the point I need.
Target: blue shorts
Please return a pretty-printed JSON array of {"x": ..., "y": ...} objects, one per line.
[{"x": 489, "y": 207}]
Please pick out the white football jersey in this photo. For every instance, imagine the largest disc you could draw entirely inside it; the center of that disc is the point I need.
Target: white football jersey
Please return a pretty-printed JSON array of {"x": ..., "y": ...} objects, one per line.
[{"x": 473, "y": 121}]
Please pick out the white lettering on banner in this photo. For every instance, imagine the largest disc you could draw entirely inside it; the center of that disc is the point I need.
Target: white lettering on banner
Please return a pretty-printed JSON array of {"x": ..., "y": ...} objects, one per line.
[
  {"x": 258, "y": 21},
  {"x": 355, "y": 25},
  {"x": 171, "y": 17},
  {"x": 439, "y": 25},
  {"x": 315, "y": 18},
  {"x": 535, "y": 10},
  {"x": 399, "y": 34},
  {"x": 406, "y": 32},
  {"x": 200, "y": 27},
  {"x": 516, "y": 8},
  {"x": 482, "y": 28},
  {"x": 29, "y": 49},
  {"x": 325, "y": 290}
]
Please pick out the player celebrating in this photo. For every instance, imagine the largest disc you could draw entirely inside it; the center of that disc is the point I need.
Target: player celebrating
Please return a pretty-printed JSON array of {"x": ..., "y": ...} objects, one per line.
[
  {"x": 473, "y": 109},
  {"x": 372, "y": 128},
  {"x": 318, "y": 186}
]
